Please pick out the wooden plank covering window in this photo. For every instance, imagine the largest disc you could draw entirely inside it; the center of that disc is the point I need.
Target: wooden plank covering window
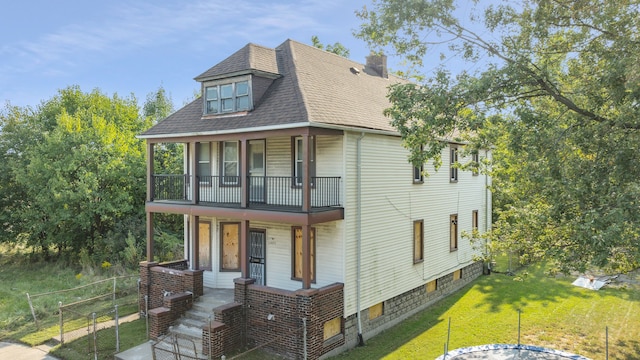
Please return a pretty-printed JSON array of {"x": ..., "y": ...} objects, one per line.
[
  {"x": 230, "y": 254},
  {"x": 453, "y": 232},
  {"x": 332, "y": 328},
  {"x": 204, "y": 245},
  {"x": 297, "y": 253},
  {"x": 474, "y": 220},
  {"x": 457, "y": 275},
  {"x": 432, "y": 286},
  {"x": 418, "y": 241},
  {"x": 376, "y": 311}
]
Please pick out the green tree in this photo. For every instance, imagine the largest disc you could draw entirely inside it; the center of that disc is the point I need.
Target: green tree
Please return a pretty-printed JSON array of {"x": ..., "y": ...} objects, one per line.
[
  {"x": 80, "y": 170},
  {"x": 168, "y": 157},
  {"x": 556, "y": 89},
  {"x": 337, "y": 48}
]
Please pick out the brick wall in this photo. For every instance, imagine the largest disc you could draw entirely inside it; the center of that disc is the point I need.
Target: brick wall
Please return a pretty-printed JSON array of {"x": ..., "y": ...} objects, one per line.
[
  {"x": 274, "y": 318},
  {"x": 158, "y": 281},
  {"x": 232, "y": 315},
  {"x": 174, "y": 306},
  {"x": 213, "y": 339}
]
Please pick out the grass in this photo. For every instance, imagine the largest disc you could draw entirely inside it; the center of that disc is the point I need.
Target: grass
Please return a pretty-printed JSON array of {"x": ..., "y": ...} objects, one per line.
[
  {"x": 19, "y": 276},
  {"x": 554, "y": 314},
  {"x": 131, "y": 334}
]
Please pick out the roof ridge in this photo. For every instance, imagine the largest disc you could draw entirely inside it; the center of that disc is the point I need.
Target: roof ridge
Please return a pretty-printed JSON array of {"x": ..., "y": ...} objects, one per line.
[{"x": 291, "y": 70}]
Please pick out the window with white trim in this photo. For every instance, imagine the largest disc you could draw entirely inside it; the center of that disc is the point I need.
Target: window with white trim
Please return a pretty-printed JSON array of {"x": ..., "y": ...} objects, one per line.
[
  {"x": 203, "y": 150},
  {"x": 418, "y": 171},
  {"x": 475, "y": 157},
  {"x": 230, "y": 163},
  {"x": 298, "y": 159},
  {"x": 453, "y": 159}
]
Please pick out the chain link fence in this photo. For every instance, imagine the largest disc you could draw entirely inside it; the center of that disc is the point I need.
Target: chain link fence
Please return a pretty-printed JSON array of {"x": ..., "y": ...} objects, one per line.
[{"x": 82, "y": 312}]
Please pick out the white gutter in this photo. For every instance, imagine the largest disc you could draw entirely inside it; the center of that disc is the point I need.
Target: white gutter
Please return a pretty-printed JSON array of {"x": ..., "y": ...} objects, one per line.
[{"x": 359, "y": 231}]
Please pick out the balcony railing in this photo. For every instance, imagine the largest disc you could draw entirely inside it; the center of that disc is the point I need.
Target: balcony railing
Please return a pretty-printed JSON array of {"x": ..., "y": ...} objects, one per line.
[{"x": 265, "y": 191}]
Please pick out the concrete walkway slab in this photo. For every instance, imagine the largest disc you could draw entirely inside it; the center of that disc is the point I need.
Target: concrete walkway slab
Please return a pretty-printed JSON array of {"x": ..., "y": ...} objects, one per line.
[{"x": 23, "y": 352}]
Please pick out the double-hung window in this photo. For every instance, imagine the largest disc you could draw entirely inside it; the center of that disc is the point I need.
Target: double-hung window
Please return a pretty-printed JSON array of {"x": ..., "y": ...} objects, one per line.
[
  {"x": 228, "y": 97},
  {"x": 298, "y": 160},
  {"x": 418, "y": 177},
  {"x": 203, "y": 150},
  {"x": 230, "y": 163},
  {"x": 453, "y": 160},
  {"x": 475, "y": 157}
]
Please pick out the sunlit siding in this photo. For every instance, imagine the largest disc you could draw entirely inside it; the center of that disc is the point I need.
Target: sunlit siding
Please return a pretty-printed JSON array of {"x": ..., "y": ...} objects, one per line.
[{"x": 390, "y": 204}]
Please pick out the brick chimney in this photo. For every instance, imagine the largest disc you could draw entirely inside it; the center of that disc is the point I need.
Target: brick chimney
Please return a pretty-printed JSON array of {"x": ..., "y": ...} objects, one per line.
[{"x": 378, "y": 63}]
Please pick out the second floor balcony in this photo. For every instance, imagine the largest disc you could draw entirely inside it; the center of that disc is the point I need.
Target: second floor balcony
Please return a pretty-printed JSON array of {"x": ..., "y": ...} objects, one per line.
[{"x": 281, "y": 193}]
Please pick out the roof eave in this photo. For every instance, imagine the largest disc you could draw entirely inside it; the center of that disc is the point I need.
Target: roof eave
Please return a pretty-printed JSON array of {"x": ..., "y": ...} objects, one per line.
[{"x": 255, "y": 72}]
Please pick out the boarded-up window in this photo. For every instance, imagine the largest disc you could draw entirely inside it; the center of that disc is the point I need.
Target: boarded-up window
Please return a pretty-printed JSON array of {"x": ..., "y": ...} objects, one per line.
[
  {"x": 230, "y": 248},
  {"x": 457, "y": 275},
  {"x": 432, "y": 286},
  {"x": 453, "y": 232},
  {"x": 376, "y": 311},
  {"x": 418, "y": 241},
  {"x": 204, "y": 245},
  {"x": 297, "y": 253},
  {"x": 474, "y": 220},
  {"x": 332, "y": 328}
]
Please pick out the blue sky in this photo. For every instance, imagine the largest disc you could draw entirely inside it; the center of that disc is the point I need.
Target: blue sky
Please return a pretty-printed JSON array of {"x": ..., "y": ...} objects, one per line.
[{"x": 134, "y": 47}]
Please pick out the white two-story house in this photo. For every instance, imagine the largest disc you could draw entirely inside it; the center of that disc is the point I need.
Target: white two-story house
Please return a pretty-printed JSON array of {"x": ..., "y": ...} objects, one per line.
[{"x": 297, "y": 192}]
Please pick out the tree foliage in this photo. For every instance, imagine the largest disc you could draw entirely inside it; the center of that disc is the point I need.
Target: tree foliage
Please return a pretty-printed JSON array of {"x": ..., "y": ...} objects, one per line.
[
  {"x": 73, "y": 176},
  {"x": 554, "y": 85},
  {"x": 337, "y": 48}
]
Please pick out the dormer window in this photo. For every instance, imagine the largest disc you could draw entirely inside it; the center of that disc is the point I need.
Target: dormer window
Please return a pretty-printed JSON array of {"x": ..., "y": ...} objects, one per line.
[{"x": 227, "y": 97}]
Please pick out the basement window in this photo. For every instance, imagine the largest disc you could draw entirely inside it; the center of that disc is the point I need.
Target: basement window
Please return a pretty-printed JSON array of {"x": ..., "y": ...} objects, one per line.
[{"x": 332, "y": 328}]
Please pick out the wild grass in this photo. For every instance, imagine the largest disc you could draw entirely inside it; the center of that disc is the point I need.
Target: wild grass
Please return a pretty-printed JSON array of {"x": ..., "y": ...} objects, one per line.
[
  {"x": 554, "y": 314},
  {"x": 20, "y": 275}
]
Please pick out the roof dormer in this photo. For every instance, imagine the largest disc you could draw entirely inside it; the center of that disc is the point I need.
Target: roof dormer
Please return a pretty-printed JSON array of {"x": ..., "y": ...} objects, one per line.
[{"x": 237, "y": 83}]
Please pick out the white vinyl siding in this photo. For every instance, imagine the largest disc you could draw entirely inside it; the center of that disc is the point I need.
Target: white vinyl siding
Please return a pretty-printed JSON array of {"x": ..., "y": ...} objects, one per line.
[{"x": 390, "y": 204}]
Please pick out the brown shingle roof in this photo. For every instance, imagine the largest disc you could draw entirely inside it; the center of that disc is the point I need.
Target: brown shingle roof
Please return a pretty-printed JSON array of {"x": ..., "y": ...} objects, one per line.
[
  {"x": 250, "y": 57},
  {"x": 315, "y": 87}
]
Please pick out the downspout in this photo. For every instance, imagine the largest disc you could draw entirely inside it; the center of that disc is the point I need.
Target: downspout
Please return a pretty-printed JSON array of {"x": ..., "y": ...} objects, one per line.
[
  {"x": 359, "y": 232},
  {"x": 486, "y": 210}
]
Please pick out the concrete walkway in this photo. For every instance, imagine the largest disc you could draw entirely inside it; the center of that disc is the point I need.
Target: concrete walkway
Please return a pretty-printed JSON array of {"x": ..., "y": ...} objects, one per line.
[{"x": 24, "y": 352}]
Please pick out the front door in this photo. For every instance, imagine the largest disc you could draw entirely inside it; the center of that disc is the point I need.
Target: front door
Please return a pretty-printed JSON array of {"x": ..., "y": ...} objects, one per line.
[
  {"x": 256, "y": 171},
  {"x": 257, "y": 256}
]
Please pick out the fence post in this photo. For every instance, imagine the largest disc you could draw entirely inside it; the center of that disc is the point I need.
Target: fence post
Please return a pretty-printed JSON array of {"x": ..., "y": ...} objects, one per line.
[
  {"x": 519, "y": 311},
  {"x": 114, "y": 289},
  {"x": 33, "y": 312},
  {"x": 61, "y": 323},
  {"x": 95, "y": 337},
  {"x": 117, "y": 330},
  {"x": 448, "y": 335},
  {"x": 146, "y": 313},
  {"x": 606, "y": 348},
  {"x": 139, "y": 305}
]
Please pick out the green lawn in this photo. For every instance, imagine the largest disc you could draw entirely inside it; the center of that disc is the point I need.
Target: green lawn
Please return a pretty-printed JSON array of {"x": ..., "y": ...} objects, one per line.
[{"x": 554, "y": 314}]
